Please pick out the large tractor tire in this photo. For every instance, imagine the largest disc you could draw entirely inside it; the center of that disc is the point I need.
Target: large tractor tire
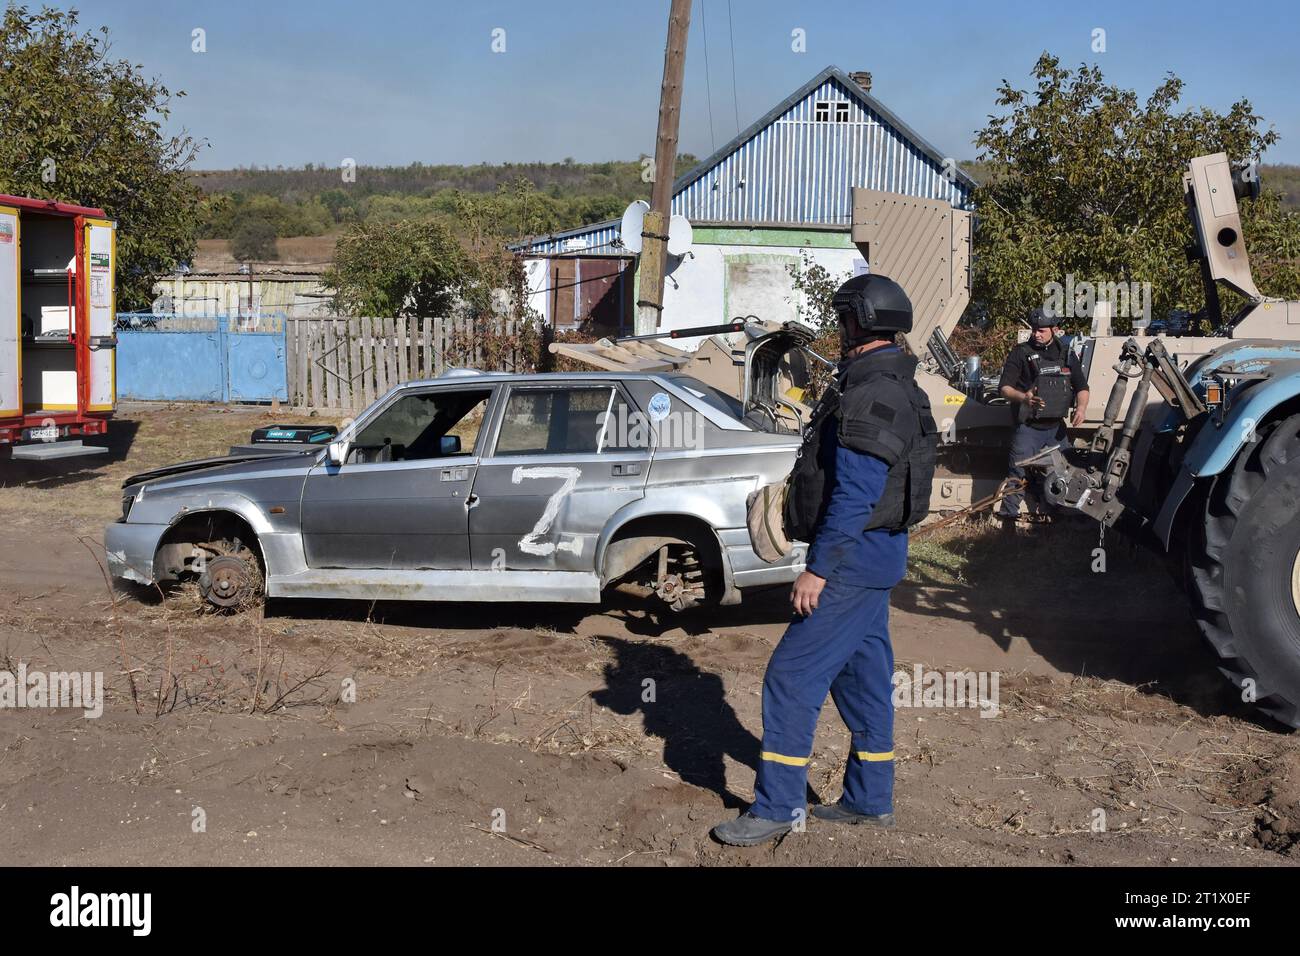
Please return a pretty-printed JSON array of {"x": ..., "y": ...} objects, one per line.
[{"x": 1245, "y": 570}]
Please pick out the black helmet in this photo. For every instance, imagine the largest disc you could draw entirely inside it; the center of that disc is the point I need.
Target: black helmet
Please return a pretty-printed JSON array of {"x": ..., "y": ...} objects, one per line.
[
  {"x": 871, "y": 307},
  {"x": 1041, "y": 318}
]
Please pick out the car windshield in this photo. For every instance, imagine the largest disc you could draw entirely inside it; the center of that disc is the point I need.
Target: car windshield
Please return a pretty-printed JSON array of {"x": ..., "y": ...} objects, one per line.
[{"x": 713, "y": 397}]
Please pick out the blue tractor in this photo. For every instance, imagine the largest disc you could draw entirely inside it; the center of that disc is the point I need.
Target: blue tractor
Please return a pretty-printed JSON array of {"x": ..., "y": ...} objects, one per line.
[{"x": 1204, "y": 463}]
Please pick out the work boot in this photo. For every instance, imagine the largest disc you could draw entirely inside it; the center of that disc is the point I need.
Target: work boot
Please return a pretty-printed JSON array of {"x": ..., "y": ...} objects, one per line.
[
  {"x": 839, "y": 813},
  {"x": 749, "y": 830}
]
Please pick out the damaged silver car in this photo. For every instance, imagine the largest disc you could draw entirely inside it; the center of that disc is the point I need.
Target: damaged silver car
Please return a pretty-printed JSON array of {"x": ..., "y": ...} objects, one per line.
[{"x": 486, "y": 487}]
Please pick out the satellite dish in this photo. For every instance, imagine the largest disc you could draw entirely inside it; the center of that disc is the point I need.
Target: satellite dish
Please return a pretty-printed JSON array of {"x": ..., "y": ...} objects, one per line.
[
  {"x": 680, "y": 235},
  {"x": 633, "y": 223}
]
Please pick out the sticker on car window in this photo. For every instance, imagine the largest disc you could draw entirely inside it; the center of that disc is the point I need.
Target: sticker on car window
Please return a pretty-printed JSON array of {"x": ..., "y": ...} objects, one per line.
[{"x": 659, "y": 406}]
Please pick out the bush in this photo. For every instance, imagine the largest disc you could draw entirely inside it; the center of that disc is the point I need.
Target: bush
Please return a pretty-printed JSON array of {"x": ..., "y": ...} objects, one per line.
[
  {"x": 254, "y": 239},
  {"x": 403, "y": 268}
]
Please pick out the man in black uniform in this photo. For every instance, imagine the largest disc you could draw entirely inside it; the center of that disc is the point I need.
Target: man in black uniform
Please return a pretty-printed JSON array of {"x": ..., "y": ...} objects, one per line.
[{"x": 1041, "y": 379}]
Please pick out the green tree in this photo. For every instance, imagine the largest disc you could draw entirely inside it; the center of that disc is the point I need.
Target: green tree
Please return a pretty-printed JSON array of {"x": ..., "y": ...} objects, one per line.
[
  {"x": 225, "y": 214},
  {"x": 254, "y": 239},
  {"x": 341, "y": 205},
  {"x": 80, "y": 127},
  {"x": 1083, "y": 179},
  {"x": 403, "y": 268},
  {"x": 814, "y": 287}
]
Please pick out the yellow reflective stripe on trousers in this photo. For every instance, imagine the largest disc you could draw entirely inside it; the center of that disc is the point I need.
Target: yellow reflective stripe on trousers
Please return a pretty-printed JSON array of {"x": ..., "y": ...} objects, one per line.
[
  {"x": 782, "y": 758},
  {"x": 866, "y": 755}
]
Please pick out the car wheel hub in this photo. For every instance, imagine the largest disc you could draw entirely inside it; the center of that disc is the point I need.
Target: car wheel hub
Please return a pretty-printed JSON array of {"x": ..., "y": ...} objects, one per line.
[{"x": 228, "y": 581}]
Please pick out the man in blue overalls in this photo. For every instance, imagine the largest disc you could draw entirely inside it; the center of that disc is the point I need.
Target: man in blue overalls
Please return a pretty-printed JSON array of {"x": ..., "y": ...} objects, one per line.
[{"x": 862, "y": 479}]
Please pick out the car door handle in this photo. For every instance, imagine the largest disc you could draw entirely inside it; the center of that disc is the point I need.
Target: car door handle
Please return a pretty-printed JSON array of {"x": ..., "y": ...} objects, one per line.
[
  {"x": 626, "y": 468},
  {"x": 455, "y": 474}
]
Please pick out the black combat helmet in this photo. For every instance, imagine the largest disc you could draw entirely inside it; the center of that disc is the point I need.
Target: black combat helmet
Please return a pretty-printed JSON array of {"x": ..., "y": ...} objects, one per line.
[
  {"x": 871, "y": 307},
  {"x": 1041, "y": 318}
]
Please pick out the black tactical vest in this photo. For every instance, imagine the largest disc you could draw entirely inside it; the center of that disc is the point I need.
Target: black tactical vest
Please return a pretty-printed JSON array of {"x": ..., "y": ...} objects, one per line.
[
  {"x": 1055, "y": 388},
  {"x": 876, "y": 407}
]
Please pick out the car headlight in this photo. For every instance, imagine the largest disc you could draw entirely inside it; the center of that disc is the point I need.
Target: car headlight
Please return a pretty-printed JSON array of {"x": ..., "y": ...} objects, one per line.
[{"x": 127, "y": 502}]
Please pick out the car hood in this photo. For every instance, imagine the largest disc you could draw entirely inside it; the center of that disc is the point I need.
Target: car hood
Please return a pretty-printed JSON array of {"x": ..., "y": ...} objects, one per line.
[{"x": 232, "y": 465}]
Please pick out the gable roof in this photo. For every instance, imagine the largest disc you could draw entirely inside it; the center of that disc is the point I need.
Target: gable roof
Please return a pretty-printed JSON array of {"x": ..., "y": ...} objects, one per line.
[
  {"x": 895, "y": 159},
  {"x": 772, "y": 115}
]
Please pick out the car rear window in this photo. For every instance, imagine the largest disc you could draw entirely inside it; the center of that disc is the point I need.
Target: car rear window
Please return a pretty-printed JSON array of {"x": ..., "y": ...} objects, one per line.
[{"x": 713, "y": 397}]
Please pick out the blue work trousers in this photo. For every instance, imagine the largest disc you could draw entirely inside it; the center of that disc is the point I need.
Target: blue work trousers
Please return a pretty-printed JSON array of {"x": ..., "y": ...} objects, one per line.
[{"x": 842, "y": 647}]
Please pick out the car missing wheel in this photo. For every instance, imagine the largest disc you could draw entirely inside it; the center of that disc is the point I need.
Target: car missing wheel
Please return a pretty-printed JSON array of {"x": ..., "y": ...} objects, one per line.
[{"x": 476, "y": 487}]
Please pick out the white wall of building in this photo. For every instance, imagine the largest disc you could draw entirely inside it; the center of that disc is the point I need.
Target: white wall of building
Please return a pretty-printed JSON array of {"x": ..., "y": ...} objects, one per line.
[
  {"x": 536, "y": 277},
  {"x": 719, "y": 282},
  {"x": 723, "y": 282},
  {"x": 191, "y": 296}
]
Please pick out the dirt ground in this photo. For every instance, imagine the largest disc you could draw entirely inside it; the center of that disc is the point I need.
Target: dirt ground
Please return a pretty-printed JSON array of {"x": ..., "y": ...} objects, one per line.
[{"x": 521, "y": 734}]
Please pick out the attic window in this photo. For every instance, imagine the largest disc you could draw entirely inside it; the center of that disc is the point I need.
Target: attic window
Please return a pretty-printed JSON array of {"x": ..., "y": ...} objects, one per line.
[{"x": 826, "y": 111}]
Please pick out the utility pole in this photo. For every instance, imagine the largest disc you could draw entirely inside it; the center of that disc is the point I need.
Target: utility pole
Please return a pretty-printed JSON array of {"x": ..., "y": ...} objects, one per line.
[{"x": 654, "y": 234}]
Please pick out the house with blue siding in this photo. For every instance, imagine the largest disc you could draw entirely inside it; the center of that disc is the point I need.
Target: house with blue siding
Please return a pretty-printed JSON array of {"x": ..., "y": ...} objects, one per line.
[{"x": 776, "y": 197}]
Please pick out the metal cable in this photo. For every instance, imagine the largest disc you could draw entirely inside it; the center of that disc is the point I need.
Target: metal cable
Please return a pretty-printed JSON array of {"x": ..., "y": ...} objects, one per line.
[
  {"x": 708, "y": 83},
  {"x": 735, "y": 101}
]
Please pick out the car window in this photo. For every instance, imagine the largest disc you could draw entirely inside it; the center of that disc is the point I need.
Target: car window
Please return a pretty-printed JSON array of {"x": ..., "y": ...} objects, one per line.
[
  {"x": 624, "y": 428},
  {"x": 715, "y": 398},
  {"x": 423, "y": 425},
  {"x": 555, "y": 421}
]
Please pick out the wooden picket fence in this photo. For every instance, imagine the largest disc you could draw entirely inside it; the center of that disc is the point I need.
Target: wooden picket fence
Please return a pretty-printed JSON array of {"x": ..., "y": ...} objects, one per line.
[{"x": 347, "y": 362}]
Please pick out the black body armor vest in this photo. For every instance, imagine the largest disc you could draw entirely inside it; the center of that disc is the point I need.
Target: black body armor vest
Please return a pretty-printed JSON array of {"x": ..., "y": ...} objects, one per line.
[
  {"x": 875, "y": 407},
  {"x": 1052, "y": 379}
]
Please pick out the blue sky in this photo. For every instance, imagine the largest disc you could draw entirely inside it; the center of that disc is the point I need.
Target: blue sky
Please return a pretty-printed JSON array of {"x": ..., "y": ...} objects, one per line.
[{"x": 286, "y": 82}]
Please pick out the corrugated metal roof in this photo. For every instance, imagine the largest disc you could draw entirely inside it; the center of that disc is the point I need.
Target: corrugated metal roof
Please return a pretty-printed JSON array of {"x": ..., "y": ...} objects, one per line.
[
  {"x": 601, "y": 238},
  {"x": 790, "y": 168}
]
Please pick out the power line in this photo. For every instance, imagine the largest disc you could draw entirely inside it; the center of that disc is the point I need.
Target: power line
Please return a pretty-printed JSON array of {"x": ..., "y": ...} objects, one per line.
[
  {"x": 735, "y": 101},
  {"x": 708, "y": 83}
]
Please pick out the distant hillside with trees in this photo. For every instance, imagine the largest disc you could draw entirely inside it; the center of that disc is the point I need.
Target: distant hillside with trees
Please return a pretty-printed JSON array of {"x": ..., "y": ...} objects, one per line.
[
  {"x": 1283, "y": 180},
  {"x": 531, "y": 198},
  {"x": 546, "y": 197},
  {"x": 420, "y": 179}
]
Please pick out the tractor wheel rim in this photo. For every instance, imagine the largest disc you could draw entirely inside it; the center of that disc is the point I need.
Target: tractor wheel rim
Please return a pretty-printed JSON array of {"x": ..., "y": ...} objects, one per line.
[{"x": 1295, "y": 583}]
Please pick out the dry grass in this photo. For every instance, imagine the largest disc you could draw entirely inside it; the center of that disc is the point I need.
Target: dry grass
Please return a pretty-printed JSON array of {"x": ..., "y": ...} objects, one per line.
[
  {"x": 313, "y": 252},
  {"x": 1144, "y": 757},
  {"x": 253, "y": 677},
  {"x": 85, "y": 493},
  {"x": 1057, "y": 555}
]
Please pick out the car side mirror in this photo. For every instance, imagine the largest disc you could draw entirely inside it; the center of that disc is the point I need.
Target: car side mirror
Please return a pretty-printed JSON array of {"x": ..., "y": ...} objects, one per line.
[
  {"x": 337, "y": 452},
  {"x": 449, "y": 445}
]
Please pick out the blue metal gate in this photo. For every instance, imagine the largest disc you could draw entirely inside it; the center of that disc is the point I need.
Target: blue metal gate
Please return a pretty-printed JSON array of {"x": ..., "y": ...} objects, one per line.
[{"x": 202, "y": 359}]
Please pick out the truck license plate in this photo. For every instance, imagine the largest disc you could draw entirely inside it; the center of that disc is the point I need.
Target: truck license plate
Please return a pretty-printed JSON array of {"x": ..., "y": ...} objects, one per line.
[{"x": 48, "y": 433}]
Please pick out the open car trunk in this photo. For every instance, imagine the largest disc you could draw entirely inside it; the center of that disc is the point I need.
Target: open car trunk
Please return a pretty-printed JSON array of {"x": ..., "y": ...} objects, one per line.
[
  {"x": 768, "y": 372},
  {"x": 776, "y": 379}
]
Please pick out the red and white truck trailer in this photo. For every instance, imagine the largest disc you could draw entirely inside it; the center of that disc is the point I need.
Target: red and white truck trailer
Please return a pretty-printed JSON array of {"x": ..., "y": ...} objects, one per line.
[{"x": 57, "y": 320}]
